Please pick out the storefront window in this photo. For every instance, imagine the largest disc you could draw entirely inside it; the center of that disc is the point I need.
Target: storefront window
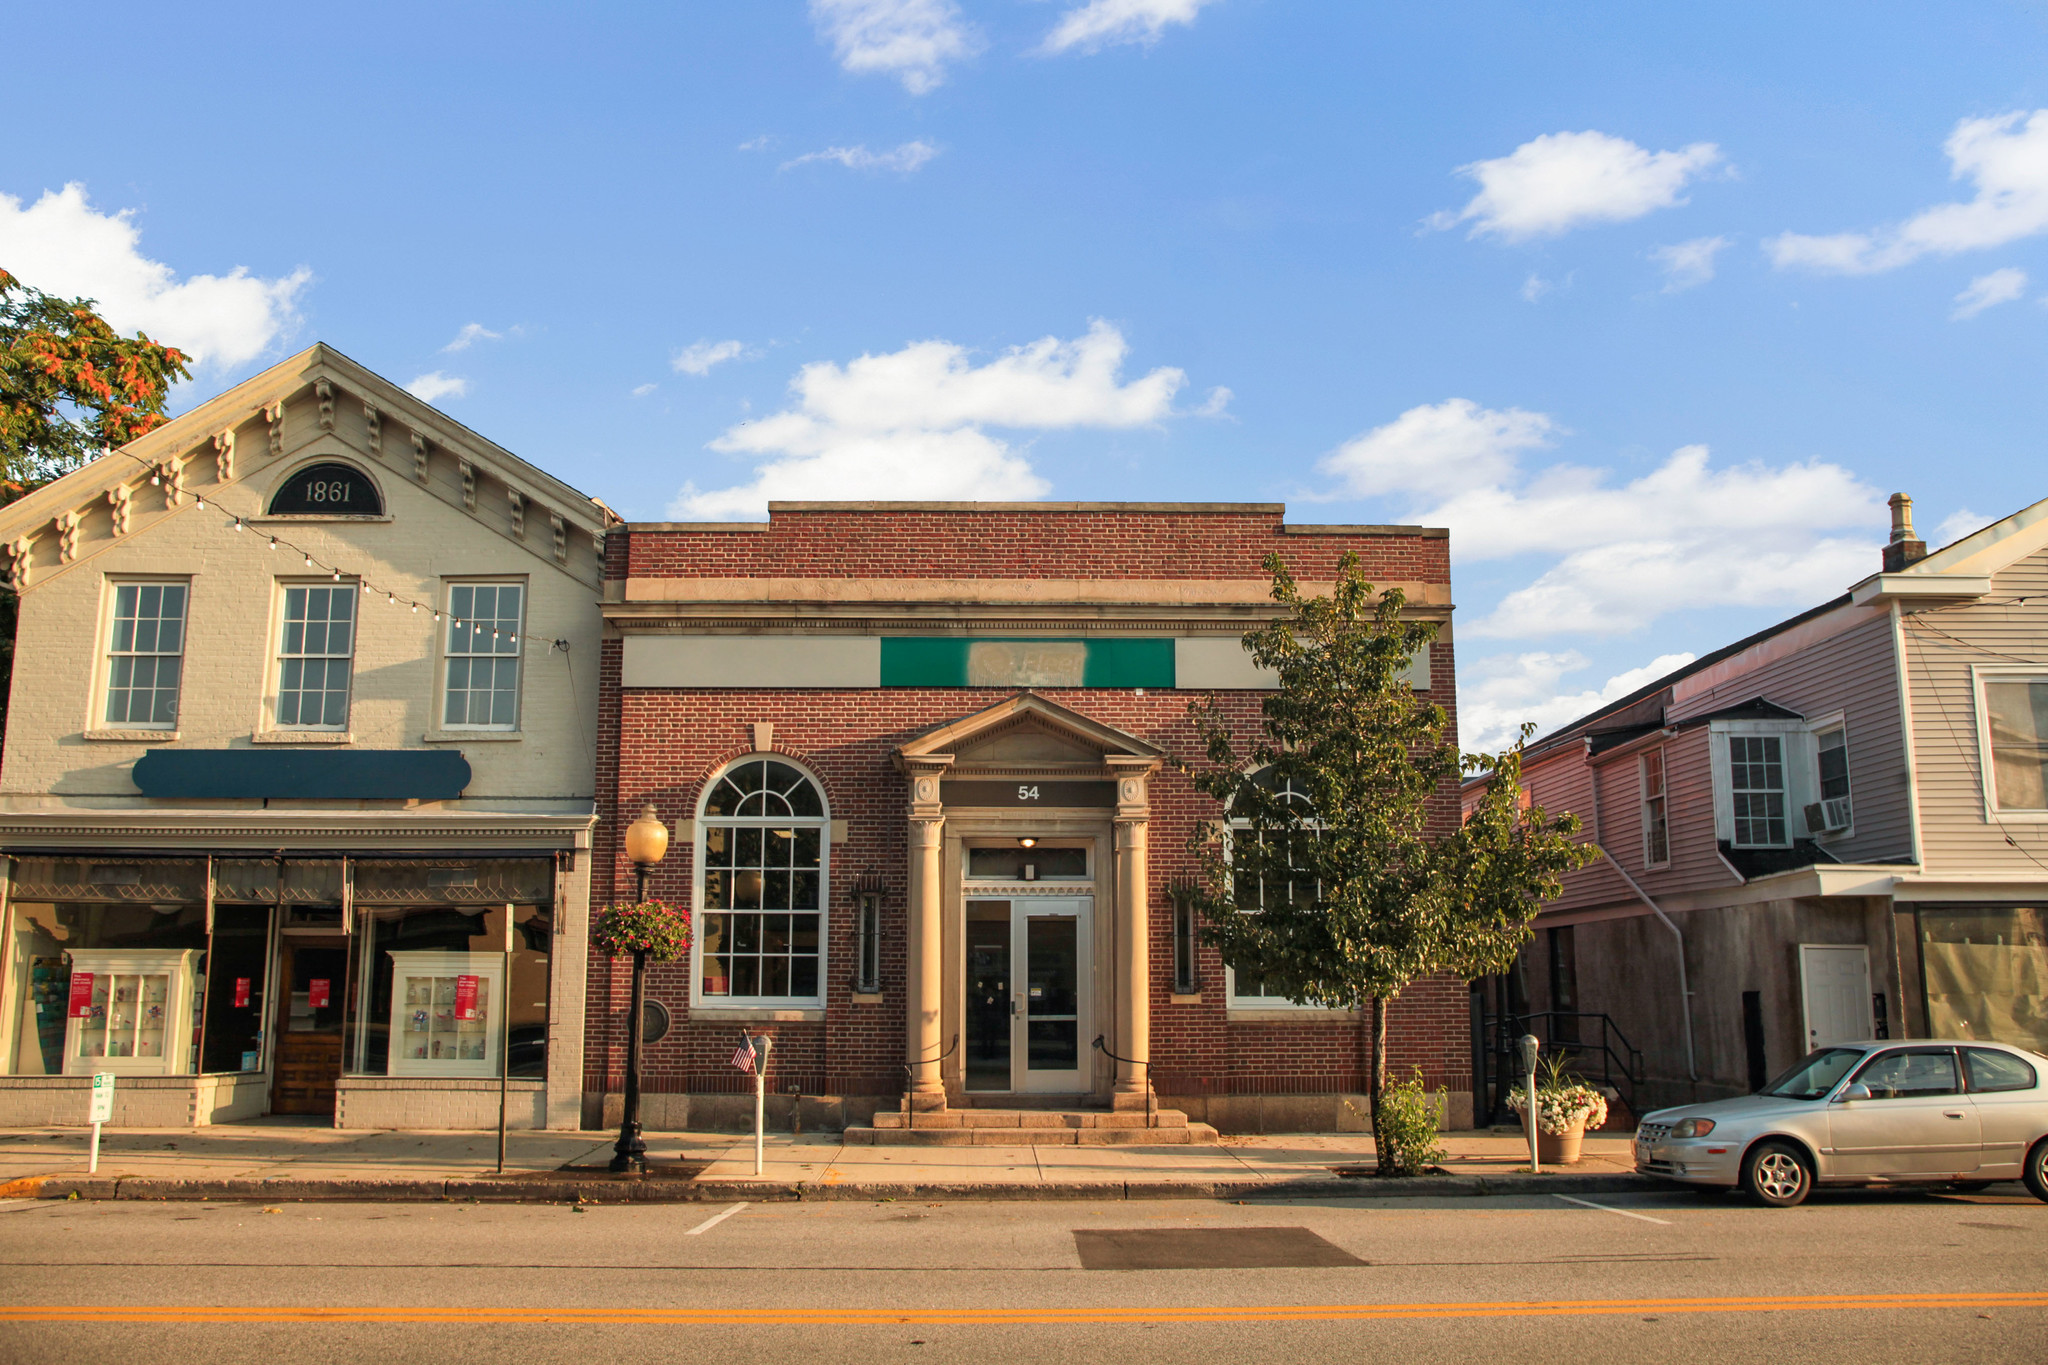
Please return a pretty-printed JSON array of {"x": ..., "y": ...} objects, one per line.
[
  {"x": 431, "y": 995},
  {"x": 1986, "y": 972},
  {"x": 104, "y": 963}
]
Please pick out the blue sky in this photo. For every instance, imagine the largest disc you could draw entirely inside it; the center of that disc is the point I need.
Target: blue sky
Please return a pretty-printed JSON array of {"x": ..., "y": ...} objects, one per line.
[{"x": 1653, "y": 305}]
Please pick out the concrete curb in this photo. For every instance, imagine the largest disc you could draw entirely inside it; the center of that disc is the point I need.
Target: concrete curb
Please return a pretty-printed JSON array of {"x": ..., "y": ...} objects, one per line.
[{"x": 531, "y": 1191}]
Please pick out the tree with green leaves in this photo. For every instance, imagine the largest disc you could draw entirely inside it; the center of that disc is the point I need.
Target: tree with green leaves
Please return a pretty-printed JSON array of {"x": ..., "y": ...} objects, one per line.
[
  {"x": 1340, "y": 877},
  {"x": 70, "y": 387}
]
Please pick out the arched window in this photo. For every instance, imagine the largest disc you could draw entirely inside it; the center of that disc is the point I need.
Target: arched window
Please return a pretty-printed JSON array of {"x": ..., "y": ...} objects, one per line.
[
  {"x": 761, "y": 858},
  {"x": 1246, "y": 989},
  {"x": 327, "y": 489}
]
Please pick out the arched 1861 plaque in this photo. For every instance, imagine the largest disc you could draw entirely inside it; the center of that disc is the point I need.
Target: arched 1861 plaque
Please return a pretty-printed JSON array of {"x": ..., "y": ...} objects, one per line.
[{"x": 334, "y": 490}]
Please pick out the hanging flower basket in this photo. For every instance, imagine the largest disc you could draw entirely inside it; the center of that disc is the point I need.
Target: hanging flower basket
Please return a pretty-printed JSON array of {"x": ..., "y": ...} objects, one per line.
[{"x": 656, "y": 928}]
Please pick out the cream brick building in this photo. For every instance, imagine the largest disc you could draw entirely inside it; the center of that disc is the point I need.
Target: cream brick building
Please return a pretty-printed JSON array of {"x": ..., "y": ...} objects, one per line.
[{"x": 296, "y": 798}]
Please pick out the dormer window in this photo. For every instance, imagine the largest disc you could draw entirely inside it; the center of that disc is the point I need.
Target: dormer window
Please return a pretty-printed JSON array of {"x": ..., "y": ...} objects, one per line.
[{"x": 1756, "y": 782}]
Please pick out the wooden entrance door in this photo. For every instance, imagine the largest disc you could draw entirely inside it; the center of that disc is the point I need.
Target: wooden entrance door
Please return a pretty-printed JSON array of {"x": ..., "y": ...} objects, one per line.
[{"x": 309, "y": 1025}]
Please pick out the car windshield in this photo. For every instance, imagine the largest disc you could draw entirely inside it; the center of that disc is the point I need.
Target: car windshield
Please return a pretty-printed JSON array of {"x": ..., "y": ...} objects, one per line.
[{"x": 1816, "y": 1076}]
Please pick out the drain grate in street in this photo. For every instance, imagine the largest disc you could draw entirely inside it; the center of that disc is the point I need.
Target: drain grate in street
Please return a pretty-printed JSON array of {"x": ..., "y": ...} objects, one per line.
[{"x": 1205, "y": 1249}]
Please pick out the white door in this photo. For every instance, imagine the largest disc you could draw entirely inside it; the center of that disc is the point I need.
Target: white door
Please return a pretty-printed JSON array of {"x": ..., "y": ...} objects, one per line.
[
  {"x": 1834, "y": 983},
  {"x": 1053, "y": 980}
]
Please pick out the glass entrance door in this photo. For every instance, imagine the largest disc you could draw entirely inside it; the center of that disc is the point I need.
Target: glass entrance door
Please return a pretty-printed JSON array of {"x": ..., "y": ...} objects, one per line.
[{"x": 1028, "y": 985}]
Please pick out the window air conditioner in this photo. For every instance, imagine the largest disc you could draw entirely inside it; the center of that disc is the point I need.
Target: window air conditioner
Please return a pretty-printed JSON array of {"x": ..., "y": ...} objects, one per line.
[{"x": 1828, "y": 817}]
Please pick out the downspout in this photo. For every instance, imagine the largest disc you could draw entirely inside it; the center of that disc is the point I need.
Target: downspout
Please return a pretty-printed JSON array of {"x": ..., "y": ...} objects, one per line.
[{"x": 1692, "y": 1069}]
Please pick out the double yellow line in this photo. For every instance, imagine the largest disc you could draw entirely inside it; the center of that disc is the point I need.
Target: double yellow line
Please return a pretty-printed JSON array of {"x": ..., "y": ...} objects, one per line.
[{"x": 982, "y": 1317}]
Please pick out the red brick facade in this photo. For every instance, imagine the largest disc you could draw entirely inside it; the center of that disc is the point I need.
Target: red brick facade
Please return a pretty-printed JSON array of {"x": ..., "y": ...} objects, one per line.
[{"x": 661, "y": 745}]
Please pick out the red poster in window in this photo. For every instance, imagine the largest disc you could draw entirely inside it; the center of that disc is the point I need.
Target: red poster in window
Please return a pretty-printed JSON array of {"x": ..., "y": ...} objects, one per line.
[
  {"x": 81, "y": 995},
  {"x": 465, "y": 997},
  {"x": 316, "y": 992},
  {"x": 241, "y": 992}
]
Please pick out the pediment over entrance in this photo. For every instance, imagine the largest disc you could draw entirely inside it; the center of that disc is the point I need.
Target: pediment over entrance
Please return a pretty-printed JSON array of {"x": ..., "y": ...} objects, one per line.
[{"x": 1027, "y": 732}]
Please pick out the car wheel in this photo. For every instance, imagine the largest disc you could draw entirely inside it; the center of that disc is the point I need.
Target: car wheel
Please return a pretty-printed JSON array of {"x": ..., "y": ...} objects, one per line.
[
  {"x": 2037, "y": 1171},
  {"x": 1777, "y": 1174}
]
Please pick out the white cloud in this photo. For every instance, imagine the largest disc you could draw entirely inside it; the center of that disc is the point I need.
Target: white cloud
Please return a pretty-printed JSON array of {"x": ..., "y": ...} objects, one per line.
[
  {"x": 642, "y": 390},
  {"x": 1435, "y": 450},
  {"x": 755, "y": 144},
  {"x": 62, "y": 245},
  {"x": 699, "y": 357},
  {"x": 1687, "y": 264},
  {"x": 907, "y": 158},
  {"x": 1988, "y": 291},
  {"x": 1683, "y": 535},
  {"x": 1104, "y": 23},
  {"x": 2006, "y": 158},
  {"x": 434, "y": 386},
  {"x": 1956, "y": 525},
  {"x": 912, "y": 40},
  {"x": 1496, "y": 694},
  {"x": 1214, "y": 405},
  {"x": 471, "y": 333},
  {"x": 1535, "y": 287},
  {"x": 912, "y": 423},
  {"x": 1565, "y": 180}
]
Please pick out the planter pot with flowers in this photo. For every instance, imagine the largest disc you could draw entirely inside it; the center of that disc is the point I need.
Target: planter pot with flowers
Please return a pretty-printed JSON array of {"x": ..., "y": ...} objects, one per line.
[{"x": 1565, "y": 1108}]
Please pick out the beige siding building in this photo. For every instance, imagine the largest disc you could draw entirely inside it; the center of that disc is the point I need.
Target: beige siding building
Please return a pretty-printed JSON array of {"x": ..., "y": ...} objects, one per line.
[
  {"x": 296, "y": 796},
  {"x": 1835, "y": 829}
]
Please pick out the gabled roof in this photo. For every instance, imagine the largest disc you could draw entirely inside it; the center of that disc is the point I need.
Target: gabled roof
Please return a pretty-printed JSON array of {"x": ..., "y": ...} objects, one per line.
[
  {"x": 1963, "y": 568},
  {"x": 1089, "y": 742},
  {"x": 314, "y": 399}
]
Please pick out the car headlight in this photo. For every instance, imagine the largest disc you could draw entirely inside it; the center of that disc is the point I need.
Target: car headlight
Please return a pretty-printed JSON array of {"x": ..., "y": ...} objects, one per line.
[{"x": 1692, "y": 1128}]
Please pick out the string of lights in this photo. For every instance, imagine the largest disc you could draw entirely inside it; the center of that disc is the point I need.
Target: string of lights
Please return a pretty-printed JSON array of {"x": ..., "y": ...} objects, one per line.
[{"x": 243, "y": 524}]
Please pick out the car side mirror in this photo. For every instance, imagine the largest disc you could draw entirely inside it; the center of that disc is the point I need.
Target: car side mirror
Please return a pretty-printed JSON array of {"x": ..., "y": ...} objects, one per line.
[{"x": 1854, "y": 1092}]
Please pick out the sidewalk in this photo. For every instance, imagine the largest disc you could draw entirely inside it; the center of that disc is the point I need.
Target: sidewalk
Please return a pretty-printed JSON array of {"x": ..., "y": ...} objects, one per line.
[{"x": 285, "y": 1160}]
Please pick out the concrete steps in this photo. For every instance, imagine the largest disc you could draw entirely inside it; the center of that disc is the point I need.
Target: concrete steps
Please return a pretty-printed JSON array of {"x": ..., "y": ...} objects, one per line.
[{"x": 980, "y": 1127}]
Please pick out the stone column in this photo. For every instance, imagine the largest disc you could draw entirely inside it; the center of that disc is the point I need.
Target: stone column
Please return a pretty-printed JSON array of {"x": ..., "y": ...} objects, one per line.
[
  {"x": 926, "y": 958},
  {"x": 1133, "y": 945}
]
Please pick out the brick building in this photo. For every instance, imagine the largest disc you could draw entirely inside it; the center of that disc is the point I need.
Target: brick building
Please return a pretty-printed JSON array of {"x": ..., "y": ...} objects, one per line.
[{"x": 921, "y": 764}]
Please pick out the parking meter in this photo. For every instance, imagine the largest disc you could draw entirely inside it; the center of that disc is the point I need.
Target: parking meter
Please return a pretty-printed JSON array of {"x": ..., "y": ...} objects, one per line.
[{"x": 1527, "y": 1046}]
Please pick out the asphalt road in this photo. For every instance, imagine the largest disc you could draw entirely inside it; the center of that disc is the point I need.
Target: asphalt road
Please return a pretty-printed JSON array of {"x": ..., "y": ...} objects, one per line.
[{"x": 1863, "y": 1277}]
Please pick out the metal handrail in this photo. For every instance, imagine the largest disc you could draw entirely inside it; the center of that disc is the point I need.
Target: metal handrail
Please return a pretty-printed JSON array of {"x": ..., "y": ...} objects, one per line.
[
  {"x": 1621, "y": 1062},
  {"x": 1103, "y": 1048},
  {"x": 909, "y": 1079}
]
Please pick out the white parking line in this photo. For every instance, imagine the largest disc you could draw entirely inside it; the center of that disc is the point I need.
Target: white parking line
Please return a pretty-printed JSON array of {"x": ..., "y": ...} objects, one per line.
[
  {"x": 1589, "y": 1204},
  {"x": 714, "y": 1220}
]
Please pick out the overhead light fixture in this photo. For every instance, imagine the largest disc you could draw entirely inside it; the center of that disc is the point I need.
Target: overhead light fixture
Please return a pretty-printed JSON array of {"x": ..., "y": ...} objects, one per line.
[{"x": 1028, "y": 841}]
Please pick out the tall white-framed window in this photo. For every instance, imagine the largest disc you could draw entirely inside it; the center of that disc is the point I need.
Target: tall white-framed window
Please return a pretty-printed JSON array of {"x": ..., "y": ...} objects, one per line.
[
  {"x": 1756, "y": 787},
  {"x": 146, "y": 654},
  {"x": 762, "y": 859},
  {"x": 1656, "y": 818},
  {"x": 316, "y": 655},
  {"x": 481, "y": 656},
  {"x": 1832, "y": 813},
  {"x": 2012, "y": 740},
  {"x": 1247, "y": 989}
]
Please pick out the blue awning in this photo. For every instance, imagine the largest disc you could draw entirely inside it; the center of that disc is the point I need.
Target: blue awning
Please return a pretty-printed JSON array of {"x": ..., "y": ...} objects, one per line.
[{"x": 345, "y": 774}]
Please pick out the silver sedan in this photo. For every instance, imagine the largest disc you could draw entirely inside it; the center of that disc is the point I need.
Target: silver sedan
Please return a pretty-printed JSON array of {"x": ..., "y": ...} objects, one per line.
[{"x": 1958, "y": 1114}]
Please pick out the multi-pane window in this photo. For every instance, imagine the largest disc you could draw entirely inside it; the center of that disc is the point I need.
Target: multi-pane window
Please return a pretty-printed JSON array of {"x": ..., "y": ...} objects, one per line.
[
  {"x": 314, "y": 658},
  {"x": 1656, "y": 832},
  {"x": 483, "y": 656},
  {"x": 146, "y": 655},
  {"x": 2018, "y": 714},
  {"x": 1833, "y": 748},
  {"x": 1756, "y": 781},
  {"x": 1248, "y": 987},
  {"x": 763, "y": 832}
]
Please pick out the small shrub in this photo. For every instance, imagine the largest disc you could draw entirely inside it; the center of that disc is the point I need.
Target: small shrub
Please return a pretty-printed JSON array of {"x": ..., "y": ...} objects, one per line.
[{"x": 1409, "y": 1118}]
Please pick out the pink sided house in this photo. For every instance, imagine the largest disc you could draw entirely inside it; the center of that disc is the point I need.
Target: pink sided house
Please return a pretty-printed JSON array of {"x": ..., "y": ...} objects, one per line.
[{"x": 1834, "y": 829}]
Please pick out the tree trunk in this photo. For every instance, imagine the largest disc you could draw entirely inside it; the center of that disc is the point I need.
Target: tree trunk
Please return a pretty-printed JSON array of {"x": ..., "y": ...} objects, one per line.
[{"x": 1376, "y": 1082}]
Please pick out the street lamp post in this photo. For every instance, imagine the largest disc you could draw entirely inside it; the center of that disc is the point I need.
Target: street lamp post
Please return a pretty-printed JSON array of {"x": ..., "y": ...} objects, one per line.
[{"x": 646, "y": 843}]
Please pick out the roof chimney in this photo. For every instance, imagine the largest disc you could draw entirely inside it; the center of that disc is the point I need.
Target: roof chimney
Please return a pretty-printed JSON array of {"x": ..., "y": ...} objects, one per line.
[{"x": 1905, "y": 547}]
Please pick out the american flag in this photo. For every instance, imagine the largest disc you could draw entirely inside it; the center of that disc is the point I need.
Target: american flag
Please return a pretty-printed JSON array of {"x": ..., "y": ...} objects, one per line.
[{"x": 743, "y": 1056}]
